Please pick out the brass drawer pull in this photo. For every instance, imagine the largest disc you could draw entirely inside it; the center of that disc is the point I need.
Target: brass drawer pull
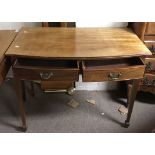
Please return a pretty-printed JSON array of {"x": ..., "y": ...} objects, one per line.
[
  {"x": 46, "y": 76},
  {"x": 149, "y": 66},
  {"x": 114, "y": 76}
]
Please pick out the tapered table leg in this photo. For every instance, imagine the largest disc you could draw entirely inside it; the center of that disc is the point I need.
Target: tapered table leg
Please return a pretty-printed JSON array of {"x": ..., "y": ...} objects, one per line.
[
  {"x": 19, "y": 91},
  {"x": 129, "y": 86},
  {"x": 131, "y": 99}
]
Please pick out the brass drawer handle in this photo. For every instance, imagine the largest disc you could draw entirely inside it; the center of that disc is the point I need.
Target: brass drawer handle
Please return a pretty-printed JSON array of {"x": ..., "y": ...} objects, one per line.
[
  {"x": 149, "y": 66},
  {"x": 114, "y": 76},
  {"x": 46, "y": 76}
]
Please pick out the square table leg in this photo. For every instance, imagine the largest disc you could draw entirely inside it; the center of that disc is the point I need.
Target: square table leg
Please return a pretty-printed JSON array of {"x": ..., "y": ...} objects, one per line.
[
  {"x": 20, "y": 94},
  {"x": 131, "y": 98}
]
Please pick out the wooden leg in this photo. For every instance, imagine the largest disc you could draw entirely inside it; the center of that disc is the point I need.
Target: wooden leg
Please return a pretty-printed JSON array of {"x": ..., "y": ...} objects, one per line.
[
  {"x": 129, "y": 86},
  {"x": 131, "y": 99},
  {"x": 19, "y": 91}
]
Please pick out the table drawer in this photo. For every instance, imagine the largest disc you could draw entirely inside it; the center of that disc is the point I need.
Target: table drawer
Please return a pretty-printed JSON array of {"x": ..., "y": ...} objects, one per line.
[
  {"x": 150, "y": 64},
  {"x": 5, "y": 65},
  {"x": 112, "y": 70},
  {"x": 46, "y": 70}
]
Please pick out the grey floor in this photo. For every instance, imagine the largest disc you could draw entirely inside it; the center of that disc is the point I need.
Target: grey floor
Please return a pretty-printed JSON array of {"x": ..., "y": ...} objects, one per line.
[{"x": 50, "y": 113}]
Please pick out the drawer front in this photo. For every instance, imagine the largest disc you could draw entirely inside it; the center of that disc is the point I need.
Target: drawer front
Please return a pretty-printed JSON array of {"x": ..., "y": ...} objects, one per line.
[
  {"x": 46, "y": 74},
  {"x": 150, "y": 64},
  {"x": 112, "y": 71},
  {"x": 5, "y": 65},
  {"x": 46, "y": 70},
  {"x": 148, "y": 80},
  {"x": 112, "y": 75}
]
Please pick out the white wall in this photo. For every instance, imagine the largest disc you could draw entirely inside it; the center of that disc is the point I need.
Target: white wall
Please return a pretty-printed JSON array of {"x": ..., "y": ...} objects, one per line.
[
  {"x": 16, "y": 25},
  {"x": 101, "y": 24},
  {"x": 79, "y": 85}
]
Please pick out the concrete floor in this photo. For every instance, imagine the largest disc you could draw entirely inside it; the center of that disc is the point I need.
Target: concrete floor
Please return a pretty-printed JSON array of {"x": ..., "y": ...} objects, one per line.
[{"x": 50, "y": 113}]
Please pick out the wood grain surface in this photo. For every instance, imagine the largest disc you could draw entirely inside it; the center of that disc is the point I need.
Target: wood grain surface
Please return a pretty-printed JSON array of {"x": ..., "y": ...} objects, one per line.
[
  {"x": 77, "y": 43},
  {"x": 6, "y": 37},
  {"x": 58, "y": 71}
]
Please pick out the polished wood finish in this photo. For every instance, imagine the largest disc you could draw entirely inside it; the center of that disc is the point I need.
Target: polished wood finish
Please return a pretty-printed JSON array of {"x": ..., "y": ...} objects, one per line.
[
  {"x": 6, "y": 38},
  {"x": 102, "y": 53},
  {"x": 53, "y": 71},
  {"x": 49, "y": 85},
  {"x": 114, "y": 70},
  {"x": 35, "y": 74},
  {"x": 77, "y": 43}
]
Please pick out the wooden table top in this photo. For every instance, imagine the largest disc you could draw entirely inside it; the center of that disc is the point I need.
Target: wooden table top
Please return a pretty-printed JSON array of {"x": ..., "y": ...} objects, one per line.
[
  {"x": 77, "y": 43},
  {"x": 6, "y": 38}
]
